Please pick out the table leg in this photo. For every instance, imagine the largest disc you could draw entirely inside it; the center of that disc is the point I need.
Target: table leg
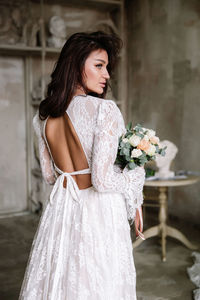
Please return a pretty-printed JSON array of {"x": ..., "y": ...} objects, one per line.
[
  {"x": 161, "y": 228},
  {"x": 164, "y": 230},
  {"x": 176, "y": 234},
  {"x": 163, "y": 218}
]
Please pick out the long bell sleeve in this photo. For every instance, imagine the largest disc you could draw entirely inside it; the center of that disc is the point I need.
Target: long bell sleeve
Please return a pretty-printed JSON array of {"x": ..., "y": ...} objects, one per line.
[{"x": 106, "y": 177}]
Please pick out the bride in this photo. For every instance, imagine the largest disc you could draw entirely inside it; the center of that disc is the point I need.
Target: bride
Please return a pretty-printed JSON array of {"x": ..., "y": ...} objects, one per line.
[{"x": 82, "y": 249}]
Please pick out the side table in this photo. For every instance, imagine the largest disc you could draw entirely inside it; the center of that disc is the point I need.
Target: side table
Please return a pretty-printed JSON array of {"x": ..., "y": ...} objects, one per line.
[{"x": 162, "y": 229}]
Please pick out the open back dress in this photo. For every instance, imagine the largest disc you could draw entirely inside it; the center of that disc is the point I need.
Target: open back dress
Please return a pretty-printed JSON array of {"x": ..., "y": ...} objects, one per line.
[{"x": 82, "y": 249}]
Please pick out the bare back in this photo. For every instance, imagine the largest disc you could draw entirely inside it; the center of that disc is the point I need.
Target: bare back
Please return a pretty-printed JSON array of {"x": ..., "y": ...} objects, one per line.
[{"x": 66, "y": 149}]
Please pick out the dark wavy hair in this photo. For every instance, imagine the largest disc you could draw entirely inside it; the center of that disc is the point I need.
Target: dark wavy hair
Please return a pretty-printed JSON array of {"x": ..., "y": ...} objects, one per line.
[{"x": 68, "y": 71}]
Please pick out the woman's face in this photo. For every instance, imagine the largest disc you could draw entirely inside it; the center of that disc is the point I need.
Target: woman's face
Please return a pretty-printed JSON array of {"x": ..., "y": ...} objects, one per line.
[{"x": 95, "y": 71}]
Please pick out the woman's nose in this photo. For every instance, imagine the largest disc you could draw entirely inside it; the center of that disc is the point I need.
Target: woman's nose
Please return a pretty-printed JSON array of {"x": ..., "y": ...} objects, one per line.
[{"x": 106, "y": 74}]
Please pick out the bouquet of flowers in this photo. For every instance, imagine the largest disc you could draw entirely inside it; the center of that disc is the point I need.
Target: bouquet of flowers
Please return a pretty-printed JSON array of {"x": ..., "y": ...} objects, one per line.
[{"x": 138, "y": 146}]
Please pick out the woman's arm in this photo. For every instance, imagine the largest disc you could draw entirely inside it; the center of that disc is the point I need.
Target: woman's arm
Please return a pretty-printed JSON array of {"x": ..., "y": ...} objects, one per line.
[
  {"x": 44, "y": 156},
  {"x": 110, "y": 126}
]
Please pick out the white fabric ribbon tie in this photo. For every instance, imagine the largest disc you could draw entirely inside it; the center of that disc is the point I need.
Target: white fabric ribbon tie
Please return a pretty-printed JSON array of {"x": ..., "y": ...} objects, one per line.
[{"x": 71, "y": 185}]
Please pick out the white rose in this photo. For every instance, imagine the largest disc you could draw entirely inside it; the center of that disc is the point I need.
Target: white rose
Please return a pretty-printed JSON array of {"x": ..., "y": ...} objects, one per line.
[
  {"x": 159, "y": 145},
  {"x": 150, "y": 133},
  {"x": 125, "y": 140},
  {"x": 146, "y": 138},
  {"x": 151, "y": 151},
  {"x": 134, "y": 140},
  {"x": 136, "y": 153}
]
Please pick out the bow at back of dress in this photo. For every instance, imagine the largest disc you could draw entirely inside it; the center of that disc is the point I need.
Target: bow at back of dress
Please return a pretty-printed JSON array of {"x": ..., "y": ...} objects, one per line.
[{"x": 71, "y": 187}]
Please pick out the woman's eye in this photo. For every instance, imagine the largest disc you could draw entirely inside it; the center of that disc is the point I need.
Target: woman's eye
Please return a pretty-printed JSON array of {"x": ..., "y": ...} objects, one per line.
[{"x": 99, "y": 66}]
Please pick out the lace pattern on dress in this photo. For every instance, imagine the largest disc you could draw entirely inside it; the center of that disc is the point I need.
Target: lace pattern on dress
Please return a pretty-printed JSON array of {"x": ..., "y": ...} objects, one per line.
[
  {"x": 110, "y": 126},
  {"x": 46, "y": 163},
  {"x": 98, "y": 124}
]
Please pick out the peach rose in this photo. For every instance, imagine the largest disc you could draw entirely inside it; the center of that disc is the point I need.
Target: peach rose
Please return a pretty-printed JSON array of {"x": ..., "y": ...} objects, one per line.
[
  {"x": 154, "y": 140},
  {"x": 143, "y": 145}
]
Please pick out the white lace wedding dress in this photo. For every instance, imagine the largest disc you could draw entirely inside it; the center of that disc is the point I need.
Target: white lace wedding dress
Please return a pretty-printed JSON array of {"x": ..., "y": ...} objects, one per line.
[{"x": 82, "y": 249}]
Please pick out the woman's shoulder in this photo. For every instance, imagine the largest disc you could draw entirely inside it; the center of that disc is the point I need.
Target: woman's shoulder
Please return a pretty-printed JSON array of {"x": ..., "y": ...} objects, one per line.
[
  {"x": 90, "y": 98},
  {"x": 98, "y": 107},
  {"x": 101, "y": 102},
  {"x": 106, "y": 109}
]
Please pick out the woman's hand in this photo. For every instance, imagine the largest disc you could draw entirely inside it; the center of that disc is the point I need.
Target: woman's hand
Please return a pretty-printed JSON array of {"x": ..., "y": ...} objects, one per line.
[{"x": 139, "y": 223}]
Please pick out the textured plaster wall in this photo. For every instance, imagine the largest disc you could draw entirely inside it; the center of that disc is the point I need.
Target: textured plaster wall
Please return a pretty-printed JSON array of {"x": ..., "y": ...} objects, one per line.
[
  {"x": 13, "y": 177},
  {"x": 164, "y": 84}
]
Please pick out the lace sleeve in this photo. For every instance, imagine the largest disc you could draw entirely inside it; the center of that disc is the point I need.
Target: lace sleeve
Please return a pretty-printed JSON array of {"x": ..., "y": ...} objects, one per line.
[
  {"x": 105, "y": 178},
  {"x": 45, "y": 159}
]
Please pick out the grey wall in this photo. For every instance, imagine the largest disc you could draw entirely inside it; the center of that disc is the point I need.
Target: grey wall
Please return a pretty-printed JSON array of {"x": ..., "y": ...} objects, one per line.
[
  {"x": 13, "y": 177},
  {"x": 164, "y": 84}
]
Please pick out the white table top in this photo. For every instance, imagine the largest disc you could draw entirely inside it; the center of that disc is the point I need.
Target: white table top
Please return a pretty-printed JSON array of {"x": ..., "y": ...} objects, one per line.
[{"x": 191, "y": 179}]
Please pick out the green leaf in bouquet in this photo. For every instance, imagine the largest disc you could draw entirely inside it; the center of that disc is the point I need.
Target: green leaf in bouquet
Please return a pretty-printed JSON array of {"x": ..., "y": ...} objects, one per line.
[
  {"x": 129, "y": 135},
  {"x": 131, "y": 165},
  {"x": 153, "y": 157},
  {"x": 118, "y": 161},
  {"x": 121, "y": 152},
  {"x": 127, "y": 158},
  {"x": 162, "y": 151},
  {"x": 125, "y": 151},
  {"x": 136, "y": 129},
  {"x": 142, "y": 160},
  {"x": 138, "y": 126},
  {"x": 128, "y": 146},
  {"x": 121, "y": 144},
  {"x": 139, "y": 134},
  {"x": 129, "y": 126},
  {"x": 139, "y": 129},
  {"x": 143, "y": 155}
]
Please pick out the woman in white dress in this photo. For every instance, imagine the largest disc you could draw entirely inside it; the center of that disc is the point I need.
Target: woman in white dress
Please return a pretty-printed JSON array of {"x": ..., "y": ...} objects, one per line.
[{"x": 82, "y": 249}]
